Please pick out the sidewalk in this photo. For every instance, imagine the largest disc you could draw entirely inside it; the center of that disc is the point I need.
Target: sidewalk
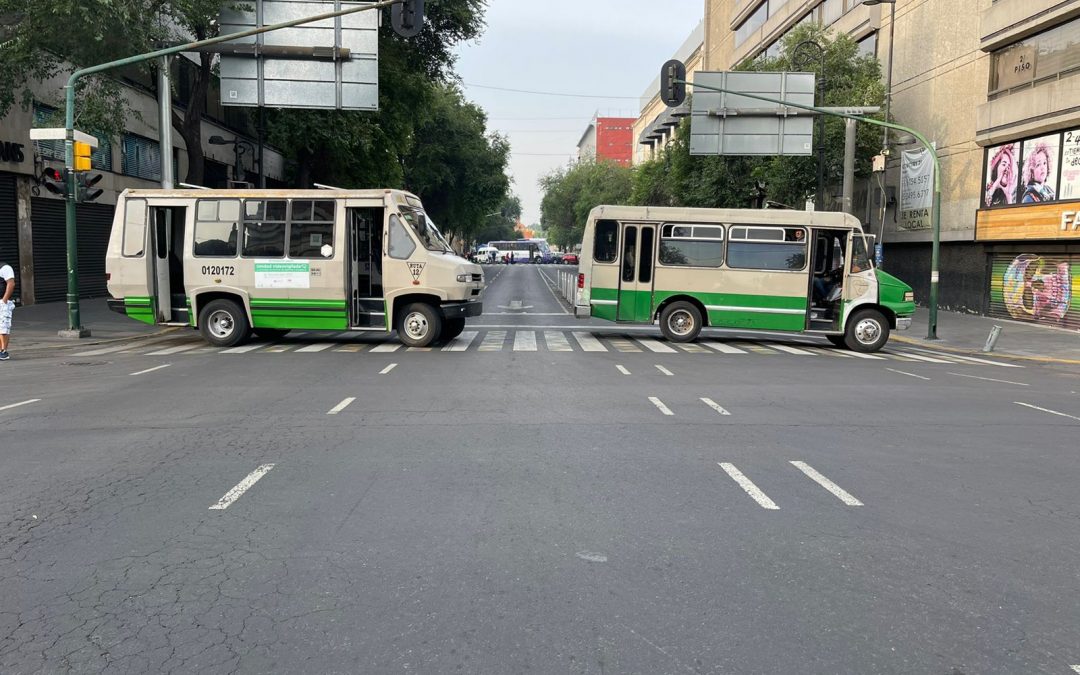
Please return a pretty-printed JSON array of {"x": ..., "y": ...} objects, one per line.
[
  {"x": 968, "y": 333},
  {"x": 35, "y": 328}
]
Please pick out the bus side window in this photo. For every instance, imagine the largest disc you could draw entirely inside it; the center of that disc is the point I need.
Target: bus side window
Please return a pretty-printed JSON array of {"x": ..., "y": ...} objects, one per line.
[
  {"x": 264, "y": 228},
  {"x": 629, "y": 253},
  {"x": 606, "y": 243},
  {"x": 860, "y": 261},
  {"x": 134, "y": 228},
  {"x": 216, "y": 226},
  {"x": 401, "y": 245}
]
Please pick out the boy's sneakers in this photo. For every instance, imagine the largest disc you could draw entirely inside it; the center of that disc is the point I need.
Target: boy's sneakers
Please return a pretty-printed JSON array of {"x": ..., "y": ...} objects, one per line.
[{"x": 4, "y": 356}]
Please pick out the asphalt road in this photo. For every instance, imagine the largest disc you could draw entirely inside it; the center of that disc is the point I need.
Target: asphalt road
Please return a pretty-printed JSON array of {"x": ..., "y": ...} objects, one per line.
[{"x": 568, "y": 500}]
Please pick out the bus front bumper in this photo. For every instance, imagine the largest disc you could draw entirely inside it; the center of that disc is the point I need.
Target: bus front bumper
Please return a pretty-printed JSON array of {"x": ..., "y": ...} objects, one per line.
[
  {"x": 903, "y": 322},
  {"x": 461, "y": 310}
]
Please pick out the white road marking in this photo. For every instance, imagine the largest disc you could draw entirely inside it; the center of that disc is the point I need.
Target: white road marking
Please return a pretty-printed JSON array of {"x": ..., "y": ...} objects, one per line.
[
  {"x": 245, "y": 349},
  {"x": 241, "y": 487},
  {"x": 107, "y": 350},
  {"x": 150, "y": 370},
  {"x": 386, "y": 347},
  {"x": 557, "y": 342},
  {"x": 317, "y": 347},
  {"x": 660, "y": 404},
  {"x": 1076, "y": 669},
  {"x": 792, "y": 350},
  {"x": 723, "y": 348},
  {"x": 387, "y": 369},
  {"x": 917, "y": 357},
  {"x": 973, "y": 359},
  {"x": 493, "y": 341},
  {"x": 751, "y": 489},
  {"x": 824, "y": 482},
  {"x": 830, "y": 351},
  {"x": 525, "y": 341},
  {"x": 16, "y": 405},
  {"x": 461, "y": 342},
  {"x": 551, "y": 290},
  {"x": 341, "y": 406},
  {"x": 654, "y": 346},
  {"x": 715, "y": 406},
  {"x": 906, "y": 373},
  {"x": 357, "y": 347},
  {"x": 177, "y": 350},
  {"x": 1047, "y": 410},
  {"x": 990, "y": 379},
  {"x": 665, "y": 371},
  {"x": 589, "y": 343},
  {"x": 623, "y": 370}
]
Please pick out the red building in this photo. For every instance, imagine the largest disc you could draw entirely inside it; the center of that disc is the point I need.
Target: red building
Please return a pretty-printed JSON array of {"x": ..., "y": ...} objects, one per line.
[{"x": 609, "y": 139}]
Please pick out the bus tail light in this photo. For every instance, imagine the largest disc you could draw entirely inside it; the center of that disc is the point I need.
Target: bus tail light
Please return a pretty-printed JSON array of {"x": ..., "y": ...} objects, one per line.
[{"x": 581, "y": 280}]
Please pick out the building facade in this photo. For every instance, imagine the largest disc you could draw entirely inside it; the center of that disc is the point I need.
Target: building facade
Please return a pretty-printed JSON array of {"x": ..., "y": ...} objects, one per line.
[
  {"x": 995, "y": 85},
  {"x": 32, "y": 219},
  {"x": 608, "y": 139},
  {"x": 656, "y": 123}
]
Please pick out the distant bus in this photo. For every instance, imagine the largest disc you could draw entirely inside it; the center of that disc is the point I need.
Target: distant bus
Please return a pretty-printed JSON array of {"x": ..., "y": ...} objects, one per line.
[{"x": 523, "y": 250}]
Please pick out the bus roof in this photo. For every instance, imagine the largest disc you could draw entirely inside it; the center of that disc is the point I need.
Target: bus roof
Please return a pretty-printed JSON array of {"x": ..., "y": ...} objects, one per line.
[
  {"x": 256, "y": 193},
  {"x": 738, "y": 216}
]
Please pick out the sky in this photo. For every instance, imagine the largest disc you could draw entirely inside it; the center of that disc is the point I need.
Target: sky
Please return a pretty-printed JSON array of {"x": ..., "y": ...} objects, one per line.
[{"x": 605, "y": 52}]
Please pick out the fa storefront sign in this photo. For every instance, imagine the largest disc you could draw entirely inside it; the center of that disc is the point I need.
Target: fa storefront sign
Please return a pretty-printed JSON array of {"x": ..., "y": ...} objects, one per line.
[
  {"x": 1070, "y": 221},
  {"x": 278, "y": 274},
  {"x": 916, "y": 190}
]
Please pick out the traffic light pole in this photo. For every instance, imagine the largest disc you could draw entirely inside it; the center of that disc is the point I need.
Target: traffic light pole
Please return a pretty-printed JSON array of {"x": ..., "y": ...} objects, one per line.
[
  {"x": 75, "y": 328},
  {"x": 935, "y": 248}
]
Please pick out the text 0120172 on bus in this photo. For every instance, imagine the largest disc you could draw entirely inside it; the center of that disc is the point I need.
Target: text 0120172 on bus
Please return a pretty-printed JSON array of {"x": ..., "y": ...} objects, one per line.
[
  {"x": 790, "y": 271},
  {"x": 233, "y": 262}
]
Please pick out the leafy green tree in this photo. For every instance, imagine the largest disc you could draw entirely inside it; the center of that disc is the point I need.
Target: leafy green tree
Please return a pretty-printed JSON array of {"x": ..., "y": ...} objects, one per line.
[
  {"x": 571, "y": 192},
  {"x": 499, "y": 225}
]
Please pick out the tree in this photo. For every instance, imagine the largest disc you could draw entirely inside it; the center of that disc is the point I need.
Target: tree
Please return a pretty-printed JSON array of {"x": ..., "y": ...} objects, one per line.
[
  {"x": 570, "y": 193},
  {"x": 499, "y": 225}
]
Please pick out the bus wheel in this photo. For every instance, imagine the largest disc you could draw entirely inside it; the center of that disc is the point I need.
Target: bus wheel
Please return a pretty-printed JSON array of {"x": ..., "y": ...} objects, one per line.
[
  {"x": 271, "y": 333},
  {"x": 680, "y": 322},
  {"x": 223, "y": 323},
  {"x": 420, "y": 325},
  {"x": 867, "y": 331},
  {"x": 451, "y": 329}
]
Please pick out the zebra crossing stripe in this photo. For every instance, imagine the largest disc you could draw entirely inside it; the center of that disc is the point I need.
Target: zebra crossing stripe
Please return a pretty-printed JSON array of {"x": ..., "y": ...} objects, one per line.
[
  {"x": 860, "y": 355},
  {"x": 654, "y": 346},
  {"x": 692, "y": 348},
  {"x": 792, "y": 350},
  {"x": 830, "y": 352},
  {"x": 386, "y": 347},
  {"x": 107, "y": 350},
  {"x": 972, "y": 359},
  {"x": 754, "y": 347},
  {"x": 317, "y": 347},
  {"x": 461, "y": 342},
  {"x": 177, "y": 350},
  {"x": 493, "y": 341},
  {"x": 557, "y": 342},
  {"x": 351, "y": 348},
  {"x": 723, "y": 348},
  {"x": 525, "y": 341},
  {"x": 245, "y": 349},
  {"x": 917, "y": 357},
  {"x": 589, "y": 343},
  {"x": 624, "y": 345}
]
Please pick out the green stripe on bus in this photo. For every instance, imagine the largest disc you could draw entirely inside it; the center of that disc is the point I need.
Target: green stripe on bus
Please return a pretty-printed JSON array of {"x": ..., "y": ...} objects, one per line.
[
  {"x": 329, "y": 304},
  {"x": 739, "y": 309},
  {"x": 308, "y": 322}
]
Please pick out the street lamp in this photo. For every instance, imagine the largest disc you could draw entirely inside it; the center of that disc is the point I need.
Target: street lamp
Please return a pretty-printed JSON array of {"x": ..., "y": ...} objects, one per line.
[
  {"x": 888, "y": 69},
  {"x": 239, "y": 146},
  {"x": 819, "y": 196}
]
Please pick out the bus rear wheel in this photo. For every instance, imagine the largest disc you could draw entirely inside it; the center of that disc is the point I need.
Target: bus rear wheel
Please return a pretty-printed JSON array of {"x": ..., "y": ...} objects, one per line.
[
  {"x": 451, "y": 329},
  {"x": 867, "y": 331},
  {"x": 420, "y": 325},
  {"x": 223, "y": 323},
  {"x": 680, "y": 322}
]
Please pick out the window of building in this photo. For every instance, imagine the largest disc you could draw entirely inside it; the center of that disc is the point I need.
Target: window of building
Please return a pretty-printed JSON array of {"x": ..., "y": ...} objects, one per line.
[
  {"x": 264, "y": 228},
  {"x": 752, "y": 23},
  {"x": 606, "y": 242},
  {"x": 217, "y": 225},
  {"x": 1046, "y": 55},
  {"x": 868, "y": 45},
  {"x": 142, "y": 157},
  {"x": 831, "y": 10},
  {"x": 776, "y": 5},
  {"x": 134, "y": 228},
  {"x": 692, "y": 245},
  {"x": 767, "y": 248}
]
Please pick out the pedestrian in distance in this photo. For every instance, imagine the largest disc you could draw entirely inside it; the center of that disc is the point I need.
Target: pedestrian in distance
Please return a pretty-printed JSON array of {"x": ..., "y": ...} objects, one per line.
[{"x": 7, "y": 307}]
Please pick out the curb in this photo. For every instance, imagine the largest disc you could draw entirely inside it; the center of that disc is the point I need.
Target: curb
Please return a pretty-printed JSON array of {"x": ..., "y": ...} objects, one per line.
[
  {"x": 979, "y": 352},
  {"x": 94, "y": 343}
]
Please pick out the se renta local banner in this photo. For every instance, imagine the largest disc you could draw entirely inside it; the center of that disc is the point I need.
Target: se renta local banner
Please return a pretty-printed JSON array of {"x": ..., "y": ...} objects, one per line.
[{"x": 916, "y": 190}]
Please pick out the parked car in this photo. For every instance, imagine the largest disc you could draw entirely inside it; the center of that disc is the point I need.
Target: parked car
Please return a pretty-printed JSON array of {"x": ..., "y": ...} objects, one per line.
[
  {"x": 556, "y": 258},
  {"x": 570, "y": 258}
]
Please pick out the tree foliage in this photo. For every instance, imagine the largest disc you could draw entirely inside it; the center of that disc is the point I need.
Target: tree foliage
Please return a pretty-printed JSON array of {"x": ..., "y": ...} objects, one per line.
[{"x": 571, "y": 192}]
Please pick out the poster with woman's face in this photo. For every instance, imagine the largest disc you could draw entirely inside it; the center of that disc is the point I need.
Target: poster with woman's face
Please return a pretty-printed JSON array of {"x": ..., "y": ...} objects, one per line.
[
  {"x": 1002, "y": 174},
  {"x": 1070, "y": 166},
  {"x": 1040, "y": 170}
]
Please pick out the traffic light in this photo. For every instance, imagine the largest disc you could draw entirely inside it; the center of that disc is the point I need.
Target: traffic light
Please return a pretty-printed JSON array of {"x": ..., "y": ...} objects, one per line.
[
  {"x": 82, "y": 156},
  {"x": 407, "y": 18},
  {"x": 85, "y": 189},
  {"x": 673, "y": 92},
  {"x": 55, "y": 181}
]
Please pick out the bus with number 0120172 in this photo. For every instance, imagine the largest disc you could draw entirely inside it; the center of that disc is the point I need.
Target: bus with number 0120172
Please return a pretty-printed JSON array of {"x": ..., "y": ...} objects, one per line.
[
  {"x": 774, "y": 270},
  {"x": 235, "y": 262}
]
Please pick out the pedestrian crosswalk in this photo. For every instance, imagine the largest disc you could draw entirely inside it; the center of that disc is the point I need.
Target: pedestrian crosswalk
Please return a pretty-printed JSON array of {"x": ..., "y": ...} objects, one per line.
[{"x": 553, "y": 341}]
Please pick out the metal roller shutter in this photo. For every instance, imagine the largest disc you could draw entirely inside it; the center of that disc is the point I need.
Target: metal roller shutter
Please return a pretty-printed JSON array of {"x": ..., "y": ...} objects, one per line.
[
  {"x": 50, "y": 249},
  {"x": 1037, "y": 288},
  {"x": 9, "y": 226}
]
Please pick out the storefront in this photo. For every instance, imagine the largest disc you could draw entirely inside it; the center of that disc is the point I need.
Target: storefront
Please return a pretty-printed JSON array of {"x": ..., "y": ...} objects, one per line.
[{"x": 1030, "y": 225}]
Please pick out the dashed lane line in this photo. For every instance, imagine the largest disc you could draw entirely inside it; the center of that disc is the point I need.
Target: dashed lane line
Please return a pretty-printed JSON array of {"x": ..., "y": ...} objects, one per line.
[
  {"x": 1047, "y": 410},
  {"x": 341, "y": 406},
  {"x": 990, "y": 379},
  {"x": 150, "y": 370},
  {"x": 903, "y": 372},
  {"x": 748, "y": 486},
  {"x": 824, "y": 482},
  {"x": 16, "y": 405},
  {"x": 241, "y": 487},
  {"x": 715, "y": 406},
  {"x": 665, "y": 370},
  {"x": 660, "y": 405},
  {"x": 387, "y": 369}
]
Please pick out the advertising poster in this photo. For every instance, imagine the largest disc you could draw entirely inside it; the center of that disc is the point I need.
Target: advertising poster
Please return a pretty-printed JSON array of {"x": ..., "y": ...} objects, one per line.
[
  {"x": 1038, "y": 178},
  {"x": 282, "y": 274},
  {"x": 1002, "y": 175},
  {"x": 1037, "y": 288},
  {"x": 1070, "y": 165},
  {"x": 916, "y": 190}
]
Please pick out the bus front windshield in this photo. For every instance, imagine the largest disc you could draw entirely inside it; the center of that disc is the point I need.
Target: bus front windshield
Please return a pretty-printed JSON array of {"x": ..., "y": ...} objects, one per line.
[{"x": 426, "y": 230}]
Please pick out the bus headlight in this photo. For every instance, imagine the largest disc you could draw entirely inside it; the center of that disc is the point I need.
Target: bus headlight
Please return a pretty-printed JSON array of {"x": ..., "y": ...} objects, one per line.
[
  {"x": 909, "y": 296},
  {"x": 463, "y": 278}
]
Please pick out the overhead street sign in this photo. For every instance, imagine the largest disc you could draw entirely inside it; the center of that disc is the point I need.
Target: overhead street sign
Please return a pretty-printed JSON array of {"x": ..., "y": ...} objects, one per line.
[
  {"x": 729, "y": 124},
  {"x": 331, "y": 64}
]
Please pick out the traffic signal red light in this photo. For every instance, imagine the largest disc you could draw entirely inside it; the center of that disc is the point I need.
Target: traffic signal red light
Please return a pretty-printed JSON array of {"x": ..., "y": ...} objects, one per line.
[{"x": 55, "y": 181}]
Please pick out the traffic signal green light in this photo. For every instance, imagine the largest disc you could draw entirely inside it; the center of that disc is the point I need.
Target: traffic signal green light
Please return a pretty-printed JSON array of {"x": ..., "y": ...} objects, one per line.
[{"x": 673, "y": 83}]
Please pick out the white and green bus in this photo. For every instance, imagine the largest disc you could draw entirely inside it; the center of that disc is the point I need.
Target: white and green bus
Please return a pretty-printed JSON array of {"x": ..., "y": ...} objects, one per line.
[
  {"x": 234, "y": 262},
  {"x": 791, "y": 271}
]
